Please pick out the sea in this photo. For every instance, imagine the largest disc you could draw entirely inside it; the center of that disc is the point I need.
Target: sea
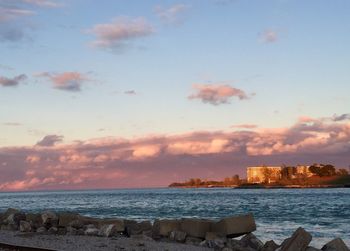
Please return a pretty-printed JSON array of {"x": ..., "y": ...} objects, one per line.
[{"x": 325, "y": 213}]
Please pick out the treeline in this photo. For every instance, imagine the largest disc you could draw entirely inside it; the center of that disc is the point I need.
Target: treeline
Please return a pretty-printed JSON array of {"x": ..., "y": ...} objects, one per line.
[
  {"x": 320, "y": 170},
  {"x": 197, "y": 182},
  {"x": 328, "y": 170},
  {"x": 316, "y": 174},
  {"x": 289, "y": 175}
]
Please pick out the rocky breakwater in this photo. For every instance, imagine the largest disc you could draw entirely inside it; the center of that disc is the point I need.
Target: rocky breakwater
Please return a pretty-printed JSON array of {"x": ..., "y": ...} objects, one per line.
[{"x": 218, "y": 235}]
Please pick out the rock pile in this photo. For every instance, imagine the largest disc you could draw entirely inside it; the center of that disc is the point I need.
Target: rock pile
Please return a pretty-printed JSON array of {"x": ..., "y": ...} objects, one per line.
[{"x": 219, "y": 235}]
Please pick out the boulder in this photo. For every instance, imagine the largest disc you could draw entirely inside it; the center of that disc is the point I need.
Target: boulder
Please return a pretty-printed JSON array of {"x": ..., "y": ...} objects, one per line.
[
  {"x": 177, "y": 236},
  {"x": 89, "y": 226},
  {"x": 62, "y": 231},
  {"x": 193, "y": 240},
  {"x": 335, "y": 245},
  {"x": 217, "y": 244},
  {"x": 137, "y": 228},
  {"x": 312, "y": 249},
  {"x": 107, "y": 230},
  {"x": 77, "y": 224},
  {"x": 52, "y": 230},
  {"x": 299, "y": 241},
  {"x": 209, "y": 236},
  {"x": 269, "y": 246},
  {"x": 164, "y": 227},
  {"x": 15, "y": 218},
  {"x": 35, "y": 220},
  {"x": 71, "y": 230},
  {"x": 250, "y": 240},
  {"x": 24, "y": 226},
  {"x": 196, "y": 227},
  {"x": 236, "y": 245},
  {"x": 91, "y": 231},
  {"x": 65, "y": 218},
  {"x": 10, "y": 227},
  {"x": 50, "y": 219},
  {"x": 235, "y": 226},
  {"x": 8, "y": 212},
  {"x": 80, "y": 232},
  {"x": 119, "y": 224},
  {"x": 41, "y": 230}
]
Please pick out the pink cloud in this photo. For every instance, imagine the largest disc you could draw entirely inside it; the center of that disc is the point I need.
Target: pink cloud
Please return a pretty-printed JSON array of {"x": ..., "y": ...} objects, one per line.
[
  {"x": 216, "y": 94},
  {"x": 245, "y": 126},
  {"x": 43, "y": 3},
  {"x": 7, "y": 14},
  {"x": 120, "y": 32},
  {"x": 159, "y": 160},
  {"x": 269, "y": 36},
  {"x": 66, "y": 81},
  {"x": 33, "y": 159},
  {"x": 172, "y": 14},
  {"x": 145, "y": 151}
]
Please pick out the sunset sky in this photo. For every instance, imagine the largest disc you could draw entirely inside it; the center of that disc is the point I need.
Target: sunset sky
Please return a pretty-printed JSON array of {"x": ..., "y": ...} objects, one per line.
[{"x": 128, "y": 93}]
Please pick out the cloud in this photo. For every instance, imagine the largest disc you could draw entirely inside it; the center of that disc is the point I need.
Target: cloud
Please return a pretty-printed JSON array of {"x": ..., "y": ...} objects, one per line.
[
  {"x": 130, "y": 92},
  {"x": 216, "y": 94},
  {"x": 15, "y": 17},
  {"x": 161, "y": 159},
  {"x": 50, "y": 140},
  {"x": 7, "y": 14},
  {"x": 12, "y": 124},
  {"x": 120, "y": 32},
  {"x": 172, "y": 14},
  {"x": 32, "y": 159},
  {"x": 43, "y": 3},
  {"x": 269, "y": 36},
  {"x": 65, "y": 81},
  {"x": 342, "y": 117},
  {"x": 10, "y": 82},
  {"x": 245, "y": 126}
]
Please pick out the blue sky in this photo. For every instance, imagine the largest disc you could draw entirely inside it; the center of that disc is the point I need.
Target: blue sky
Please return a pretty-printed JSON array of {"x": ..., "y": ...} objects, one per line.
[
  {"x": 126, "y": 69},
  {"x": 303, "y": 72}
]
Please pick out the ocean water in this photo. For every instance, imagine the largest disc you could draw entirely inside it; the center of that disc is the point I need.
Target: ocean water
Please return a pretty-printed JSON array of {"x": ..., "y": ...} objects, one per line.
[{"x": 278, "y": 212}]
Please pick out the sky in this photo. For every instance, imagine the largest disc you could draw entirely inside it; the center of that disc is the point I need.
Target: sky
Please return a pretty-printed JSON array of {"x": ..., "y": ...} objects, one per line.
[{"x": 117, "y": 93}]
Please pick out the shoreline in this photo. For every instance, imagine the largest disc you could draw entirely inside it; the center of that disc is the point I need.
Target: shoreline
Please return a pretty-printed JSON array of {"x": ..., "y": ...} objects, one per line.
[
  {"x": 267, "y": 187},
  {"x": 172, "y": 187},
  {"x": 71, "y": 231}
]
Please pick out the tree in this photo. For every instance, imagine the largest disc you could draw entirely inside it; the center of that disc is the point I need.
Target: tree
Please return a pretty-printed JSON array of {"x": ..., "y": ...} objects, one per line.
[
  {"x": 315, "y": 169},
  {"x": 197, "y": 182},
  {"x": 342, "y": 172},
  {"x": 267, "y": 173},
  {"x": 323, "y": 170},
  {"x": 235, "y": 180},
  {"x": 327, "y": 170},
  {"x": 227, "y": 181}
]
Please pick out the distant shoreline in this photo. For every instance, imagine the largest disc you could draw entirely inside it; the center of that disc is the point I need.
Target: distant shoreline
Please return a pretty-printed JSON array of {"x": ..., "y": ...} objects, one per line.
[{"x": 267, "y": 187}]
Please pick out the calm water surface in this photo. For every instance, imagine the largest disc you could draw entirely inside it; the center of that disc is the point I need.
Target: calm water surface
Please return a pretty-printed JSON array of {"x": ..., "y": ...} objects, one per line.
[{"x": 323, "y": 212}]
